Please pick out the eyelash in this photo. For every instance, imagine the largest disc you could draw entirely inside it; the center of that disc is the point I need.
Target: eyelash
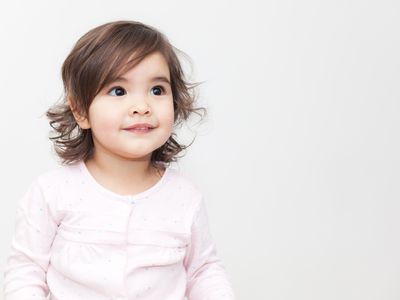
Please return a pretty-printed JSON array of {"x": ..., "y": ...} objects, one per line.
[{"x": 119, "y": 87}]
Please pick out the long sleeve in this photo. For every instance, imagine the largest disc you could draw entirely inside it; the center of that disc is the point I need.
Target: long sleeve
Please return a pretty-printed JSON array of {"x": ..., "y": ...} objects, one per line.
[
  {"x": 35, "y": 229},
  {"x": 207, "y": 277}
]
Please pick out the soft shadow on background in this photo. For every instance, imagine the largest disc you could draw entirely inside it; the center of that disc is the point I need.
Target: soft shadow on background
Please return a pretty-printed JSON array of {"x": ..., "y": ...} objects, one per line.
[{"x": 299, "y": 156}]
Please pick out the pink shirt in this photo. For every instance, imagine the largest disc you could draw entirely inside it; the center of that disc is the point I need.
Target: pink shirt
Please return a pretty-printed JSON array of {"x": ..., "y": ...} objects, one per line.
[{"x": 76, "y": 240}]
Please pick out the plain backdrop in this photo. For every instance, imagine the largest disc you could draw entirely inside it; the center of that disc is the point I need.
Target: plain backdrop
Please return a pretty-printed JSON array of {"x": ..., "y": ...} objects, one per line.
[{"x": 299, "y": 155}]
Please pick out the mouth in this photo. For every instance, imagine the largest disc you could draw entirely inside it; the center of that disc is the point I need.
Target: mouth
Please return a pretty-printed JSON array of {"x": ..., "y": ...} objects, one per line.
[
  {"x": 140, "y": 126},
  {"x": 140, "y": 130}
]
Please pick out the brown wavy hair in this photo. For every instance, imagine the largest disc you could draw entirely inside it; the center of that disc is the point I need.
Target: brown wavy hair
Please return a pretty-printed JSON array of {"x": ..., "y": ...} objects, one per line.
[{"x": 99, "y": 57}]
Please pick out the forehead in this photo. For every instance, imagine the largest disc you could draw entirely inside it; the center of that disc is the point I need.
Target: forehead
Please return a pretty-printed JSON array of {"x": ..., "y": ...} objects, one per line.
[{"x": 152, "y": 65}]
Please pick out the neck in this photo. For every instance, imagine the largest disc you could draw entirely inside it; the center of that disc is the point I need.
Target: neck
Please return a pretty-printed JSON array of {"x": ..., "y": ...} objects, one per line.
[{"x": 121, "y": 172}]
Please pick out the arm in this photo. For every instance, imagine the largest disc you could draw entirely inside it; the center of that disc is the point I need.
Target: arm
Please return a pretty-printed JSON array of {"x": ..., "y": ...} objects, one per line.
[
  {"x": 207, "y": 278},
  {"x": 35, "y": 229}
]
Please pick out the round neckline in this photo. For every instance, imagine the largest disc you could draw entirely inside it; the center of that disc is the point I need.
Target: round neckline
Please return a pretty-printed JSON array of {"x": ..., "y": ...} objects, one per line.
[{"x": 110, "y": 193}]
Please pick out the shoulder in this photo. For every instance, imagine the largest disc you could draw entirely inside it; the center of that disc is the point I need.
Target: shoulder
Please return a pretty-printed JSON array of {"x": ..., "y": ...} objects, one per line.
[
  {"x": 184, "y": 186},
  {"x": 56, "y": 177},
  {"x": 183, "y": 181}
]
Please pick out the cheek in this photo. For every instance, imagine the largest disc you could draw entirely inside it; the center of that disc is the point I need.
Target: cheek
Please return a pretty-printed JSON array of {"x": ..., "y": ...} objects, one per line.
[
  {"x": 104, "y": 119},
  {"x": 165, "y": 115},
  {"x": 170, "y": 119},
  {"x": 169, "y": 115}
]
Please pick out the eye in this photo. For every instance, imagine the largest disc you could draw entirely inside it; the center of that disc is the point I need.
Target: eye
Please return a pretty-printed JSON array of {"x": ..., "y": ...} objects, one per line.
[
  {"x": 119, "y": 91},
  {"x": 158, "y": 90}
]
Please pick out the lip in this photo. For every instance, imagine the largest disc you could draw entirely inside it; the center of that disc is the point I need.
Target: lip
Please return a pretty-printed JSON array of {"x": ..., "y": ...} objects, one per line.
[{"x": 140, "y": 126}]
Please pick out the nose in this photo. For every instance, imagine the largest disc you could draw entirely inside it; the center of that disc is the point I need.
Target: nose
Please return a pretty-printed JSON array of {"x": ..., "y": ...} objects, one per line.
[{"x": 139, "y": 105}]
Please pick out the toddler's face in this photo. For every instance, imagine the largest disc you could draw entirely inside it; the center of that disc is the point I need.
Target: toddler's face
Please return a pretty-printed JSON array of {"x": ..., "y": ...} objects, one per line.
[{"x": 142, "y": 95}]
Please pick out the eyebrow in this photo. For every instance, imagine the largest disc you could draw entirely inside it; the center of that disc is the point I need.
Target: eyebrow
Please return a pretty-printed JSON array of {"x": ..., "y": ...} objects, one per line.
[{"x": 154, "y": 79}]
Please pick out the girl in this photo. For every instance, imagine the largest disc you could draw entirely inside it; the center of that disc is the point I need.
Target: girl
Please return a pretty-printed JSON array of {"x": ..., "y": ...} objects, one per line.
[{"x": 114, "y": 220}]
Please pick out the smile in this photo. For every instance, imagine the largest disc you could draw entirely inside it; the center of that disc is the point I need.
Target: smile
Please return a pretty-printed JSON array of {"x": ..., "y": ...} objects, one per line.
[{"x": 140, "y": 130}]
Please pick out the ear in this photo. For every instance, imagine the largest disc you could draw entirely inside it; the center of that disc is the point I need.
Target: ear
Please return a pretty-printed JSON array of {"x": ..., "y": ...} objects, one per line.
[{"x": 82, "y": 121}]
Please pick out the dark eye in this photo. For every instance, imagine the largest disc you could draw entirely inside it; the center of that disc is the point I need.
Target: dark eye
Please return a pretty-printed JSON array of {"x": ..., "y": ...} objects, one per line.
[
  {"x": 119, "y": 91},
  {"x": 158, "y": 90}
]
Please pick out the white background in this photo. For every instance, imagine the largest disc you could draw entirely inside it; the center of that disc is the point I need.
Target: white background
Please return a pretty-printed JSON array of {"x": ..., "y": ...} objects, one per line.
[{"x": 299, "y": 156}]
